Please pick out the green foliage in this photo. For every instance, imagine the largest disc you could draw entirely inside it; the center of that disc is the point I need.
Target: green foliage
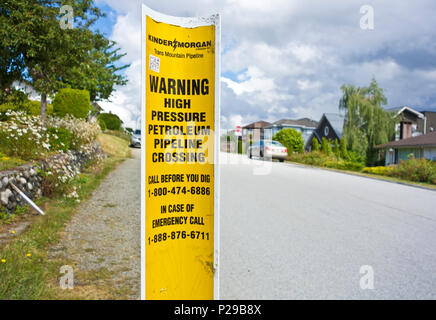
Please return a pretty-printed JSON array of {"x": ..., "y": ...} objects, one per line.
[
  {"x": 101, "y": 75},
  {"x": 326, "y": 146},
  {"x": 12, "y": 96},
  {"x": 239, "y": 146},
  {"x": 321, "y": 159},
  {"x": 102, "y": 124},
  {"x": 22, "y": 137},
  {"x": 73, "y": 102},
  {"x": 314, "y": 158},
  {"x": 36, "y": 50},
  {"x": 315, "y": 144},
  {"x": 112, "y": 121},
  {"x": 343, "y": 149},
  {"x": 60, "y": 138},
  {"x": 367, "y": 124},
  {"x": 336, "y": 149},
  {"x": 291, "y": 139},
  {"x": 9, "y": 162},
  {"x": 130, "y": 130},
  {"x": 343, "y": 165},
  {"x": 420, "y": 170}
]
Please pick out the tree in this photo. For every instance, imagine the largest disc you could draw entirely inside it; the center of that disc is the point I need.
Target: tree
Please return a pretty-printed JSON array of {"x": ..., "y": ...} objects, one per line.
[
  {"x": 343, "y": 149},
  {"x": 315, "y": 144},
  {"x": 336, "y": 148},
  {"x": 49, "y": 57},
  {"x": 367, "y": 124},
  {"x": 99, "y": 73},
  {"x": 326, "y": 147},
  {"x": 291, "y": 139}
]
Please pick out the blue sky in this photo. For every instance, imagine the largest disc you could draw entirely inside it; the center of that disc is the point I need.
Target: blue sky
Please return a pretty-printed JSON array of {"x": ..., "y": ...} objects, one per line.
[{"x": 288, "y": 59}]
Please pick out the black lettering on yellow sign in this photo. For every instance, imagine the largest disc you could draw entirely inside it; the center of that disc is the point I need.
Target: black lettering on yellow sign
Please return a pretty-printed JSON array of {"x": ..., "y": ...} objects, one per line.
[{"x": 179, "y": 86}]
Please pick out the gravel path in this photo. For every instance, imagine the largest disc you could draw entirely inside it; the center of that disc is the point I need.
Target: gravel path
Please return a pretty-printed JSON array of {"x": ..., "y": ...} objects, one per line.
[{"x": 102, "y": 240}]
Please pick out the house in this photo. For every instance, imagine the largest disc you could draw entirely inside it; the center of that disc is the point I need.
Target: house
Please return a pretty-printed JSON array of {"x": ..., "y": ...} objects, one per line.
[
  {"x": 412, "y": 123},
  {"x": 305, "y": 125},
  {"x": 421, "y": 146},
  {"x": 254, "y": 131},
  {"x": 331, "y": 127}
]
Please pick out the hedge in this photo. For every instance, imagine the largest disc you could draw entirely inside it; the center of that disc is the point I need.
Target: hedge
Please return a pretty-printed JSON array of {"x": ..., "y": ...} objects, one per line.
[
  {"x": 72, "y": 101},
  {"x": 112, "y": 121}
]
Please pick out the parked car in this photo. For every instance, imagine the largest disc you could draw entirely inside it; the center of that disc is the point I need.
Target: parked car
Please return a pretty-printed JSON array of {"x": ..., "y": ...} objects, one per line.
[
  {"x": 135, "y": 139},
  {"x": 267, "y": 149}
]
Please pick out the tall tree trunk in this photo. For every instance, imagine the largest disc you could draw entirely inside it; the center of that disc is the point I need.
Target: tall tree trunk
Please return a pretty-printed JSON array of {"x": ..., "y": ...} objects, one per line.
[{"x": 43, "y": 108}]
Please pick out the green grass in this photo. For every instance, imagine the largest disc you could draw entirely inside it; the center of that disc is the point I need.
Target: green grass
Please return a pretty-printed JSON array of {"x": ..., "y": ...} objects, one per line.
[
  {"x": 114, "y": 146},
  {"x": 7, "y": 163},
  {"x": 29, "y": 277},
  {"x": 120, "y": 134}
]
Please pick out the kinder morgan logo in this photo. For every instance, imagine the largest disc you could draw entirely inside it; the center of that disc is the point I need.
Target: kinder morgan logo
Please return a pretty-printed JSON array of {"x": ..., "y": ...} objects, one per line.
[{"x": 180, "y": 44}]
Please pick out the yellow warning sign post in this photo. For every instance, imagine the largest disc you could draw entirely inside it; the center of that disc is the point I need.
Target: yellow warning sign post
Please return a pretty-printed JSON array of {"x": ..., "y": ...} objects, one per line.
[{"x": 180, "y": 116}]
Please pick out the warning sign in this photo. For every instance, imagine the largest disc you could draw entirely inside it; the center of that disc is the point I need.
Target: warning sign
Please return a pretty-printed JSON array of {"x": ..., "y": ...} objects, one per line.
[{"x": 180, "y": 107}]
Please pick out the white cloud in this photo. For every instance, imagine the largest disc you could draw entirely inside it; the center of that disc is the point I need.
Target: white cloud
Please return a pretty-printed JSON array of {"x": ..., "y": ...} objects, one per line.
[{"x": 288, "y": 59}]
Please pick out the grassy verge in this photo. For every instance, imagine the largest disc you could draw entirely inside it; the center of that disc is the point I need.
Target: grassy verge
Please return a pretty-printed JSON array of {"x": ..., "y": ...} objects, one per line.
[
  {"x": 9, "y": 162},
  {"x": 120, "y": 134},
  {"x": 114, "y": 146},
  {"x": 373, "y": 176},
  {"x": 26, "y": 268}
]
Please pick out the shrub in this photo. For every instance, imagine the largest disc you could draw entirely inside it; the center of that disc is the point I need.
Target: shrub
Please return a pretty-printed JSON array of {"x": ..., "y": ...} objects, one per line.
[
  {"x": 112, "y": 121},
  {"x": 102, "y": 124},
  {"x": 336, "y": 149},
  {"x": 239, "y": 146},
  {"x": 420, "y": 170},
  {"x": 380, "y": 170},
  {"x": 82, "y": 132},
  {"x": 291, "y": 139},
  {"x": 60, "y": 138},
  {"x": 22, "y": 136},
  {"x": 73, "y": 102},
  {"x": 315, "y": 158},
  {"x": 326, "y": 147},
  {"x": 315, "y": 144},
  {"x": 343, "y": 149},
  {"x": 344, "y": 165}
]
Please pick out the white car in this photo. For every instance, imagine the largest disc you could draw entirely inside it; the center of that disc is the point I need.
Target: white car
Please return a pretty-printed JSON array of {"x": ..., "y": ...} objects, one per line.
[
  {"x": 135, "y": 139},
  {"x": 268, "y": 149}
]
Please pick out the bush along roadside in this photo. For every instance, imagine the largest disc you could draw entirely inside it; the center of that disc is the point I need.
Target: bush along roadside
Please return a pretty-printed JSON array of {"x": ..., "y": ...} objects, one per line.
[{"x": 414, "y": 170}]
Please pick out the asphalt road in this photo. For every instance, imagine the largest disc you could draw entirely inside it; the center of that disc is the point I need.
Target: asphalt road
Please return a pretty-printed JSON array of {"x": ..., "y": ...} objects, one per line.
[{"x": 304, "y": 233}]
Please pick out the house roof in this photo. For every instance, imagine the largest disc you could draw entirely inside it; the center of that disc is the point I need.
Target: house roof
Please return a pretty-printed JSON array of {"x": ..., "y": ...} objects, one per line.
[
  {"x": 418, "y": 114},
  {"x": 337, "y": 122},
  {"x": 256, "y": 125},
  {"x": 428, "y": 139},
  {"x": 303, "y": 122}
]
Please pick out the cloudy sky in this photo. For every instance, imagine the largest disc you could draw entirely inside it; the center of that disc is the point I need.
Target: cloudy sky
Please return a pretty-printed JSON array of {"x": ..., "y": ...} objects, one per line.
[{"x": 289, "y": 58}]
